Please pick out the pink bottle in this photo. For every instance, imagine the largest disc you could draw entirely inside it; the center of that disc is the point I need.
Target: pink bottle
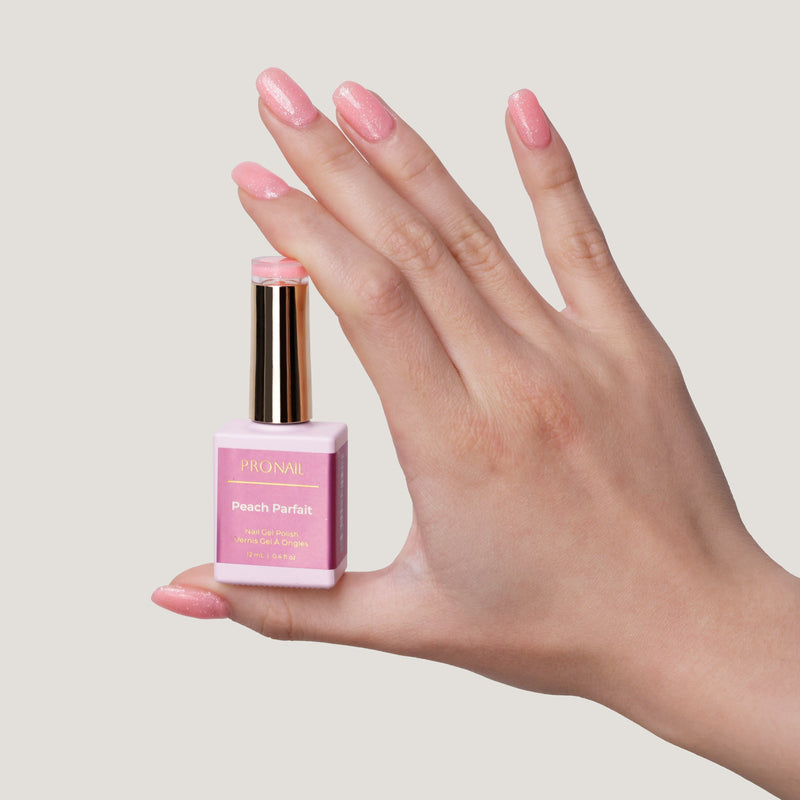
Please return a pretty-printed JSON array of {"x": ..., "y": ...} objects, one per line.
[{"x": 280, "y": 481}]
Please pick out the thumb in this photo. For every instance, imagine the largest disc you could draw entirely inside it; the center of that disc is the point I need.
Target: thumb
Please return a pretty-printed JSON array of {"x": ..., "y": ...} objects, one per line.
[{"x": 366, "y": 609}]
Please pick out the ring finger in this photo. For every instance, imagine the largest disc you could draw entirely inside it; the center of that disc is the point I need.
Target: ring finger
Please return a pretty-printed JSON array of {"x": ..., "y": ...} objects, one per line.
[{"x": 413, "y": 170}]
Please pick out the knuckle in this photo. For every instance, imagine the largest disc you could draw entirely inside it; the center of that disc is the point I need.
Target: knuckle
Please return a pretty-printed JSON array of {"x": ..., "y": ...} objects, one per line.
[
  {"x": 549, "y": 411},
  {"x": 660, "y": 362},
  {"x": 476, "y": 248},
  {"x": 562, "y": 177},
  {"x": 383, "y": 297},
  {"x": 648, "y": 351},
  {"x": 587, "y": 249},
  {"x": 337, "y": 159},
  {"x": 531, "y": 410},
  {"x": 647, "y": 368},
  {"x": 277, "y": 620},
  {"x": 410, "y": 243},
  {"x": 421, "y": 167},
  {"x": 584, "y": 246},
  {"x": 481, "y": 441}
]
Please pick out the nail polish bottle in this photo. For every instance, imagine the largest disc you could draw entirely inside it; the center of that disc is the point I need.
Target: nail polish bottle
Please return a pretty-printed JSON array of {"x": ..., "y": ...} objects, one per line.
[{"x": 280, "y": 480}]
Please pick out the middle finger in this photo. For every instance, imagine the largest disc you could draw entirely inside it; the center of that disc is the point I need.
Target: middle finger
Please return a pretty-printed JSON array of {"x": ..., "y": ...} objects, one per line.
[{"x": 361, "y": 200}]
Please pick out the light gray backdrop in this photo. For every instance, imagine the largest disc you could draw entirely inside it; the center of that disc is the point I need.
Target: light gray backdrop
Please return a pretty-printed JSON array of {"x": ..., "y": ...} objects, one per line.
[{"x": 125, "y": 344}]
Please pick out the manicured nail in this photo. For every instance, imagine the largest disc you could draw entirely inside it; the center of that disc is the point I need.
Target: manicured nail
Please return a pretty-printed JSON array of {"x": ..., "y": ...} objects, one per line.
[
  {"x": 364, "y": 111},
  {"x": 529, "y": 119},
  {"x": 191, "y": 602},
  {"x": 285, "y": 98},
  {"x": 258, "y": 182}
]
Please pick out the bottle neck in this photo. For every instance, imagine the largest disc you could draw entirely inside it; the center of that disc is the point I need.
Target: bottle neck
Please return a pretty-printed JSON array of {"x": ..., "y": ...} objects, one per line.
[{"x": 280, "y": 385}]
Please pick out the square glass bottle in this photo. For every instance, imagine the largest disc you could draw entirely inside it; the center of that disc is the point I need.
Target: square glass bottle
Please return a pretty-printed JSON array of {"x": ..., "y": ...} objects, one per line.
[{"x": 280, "y": 480}]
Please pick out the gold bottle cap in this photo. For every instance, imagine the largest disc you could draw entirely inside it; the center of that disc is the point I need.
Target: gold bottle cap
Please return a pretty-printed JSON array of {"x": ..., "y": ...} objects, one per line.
[{"x": 280, "y": 372}]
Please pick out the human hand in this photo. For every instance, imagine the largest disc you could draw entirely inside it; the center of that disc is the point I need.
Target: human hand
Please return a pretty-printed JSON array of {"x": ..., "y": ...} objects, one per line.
[{"x": 573, "y": 531}]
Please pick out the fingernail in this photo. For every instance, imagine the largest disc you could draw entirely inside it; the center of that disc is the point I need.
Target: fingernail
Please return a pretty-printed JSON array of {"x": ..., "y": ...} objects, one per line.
[
  {"x": 529, "y": 119},
  {"x": 364, "y": 111},
  {"x": 258, "y": 182},
  {"x": 285, "y": 98},
  {"x": 191, "y": 602}
]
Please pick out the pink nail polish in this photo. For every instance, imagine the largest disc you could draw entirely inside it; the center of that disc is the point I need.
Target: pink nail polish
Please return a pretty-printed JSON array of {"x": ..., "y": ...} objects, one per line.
[
  {"x": 258, "y": 182},
  {"x": 529, "y": 119},
  {"x": 285, "y": 98},
  {"x": 191, "y": 602},
  {"x": 364, "y": 111}
]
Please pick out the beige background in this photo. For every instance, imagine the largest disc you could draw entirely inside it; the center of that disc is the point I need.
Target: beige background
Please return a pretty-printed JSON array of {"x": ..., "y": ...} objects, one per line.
[{"x": 124, "y": 322}]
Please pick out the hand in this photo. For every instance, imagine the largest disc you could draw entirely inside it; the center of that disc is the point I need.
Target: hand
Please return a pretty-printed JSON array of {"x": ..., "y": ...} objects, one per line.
[{"x": 573, "y": 530}]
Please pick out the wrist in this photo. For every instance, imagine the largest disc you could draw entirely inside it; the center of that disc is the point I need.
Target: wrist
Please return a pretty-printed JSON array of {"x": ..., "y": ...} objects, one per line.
[{"x": 716, "y": 670}]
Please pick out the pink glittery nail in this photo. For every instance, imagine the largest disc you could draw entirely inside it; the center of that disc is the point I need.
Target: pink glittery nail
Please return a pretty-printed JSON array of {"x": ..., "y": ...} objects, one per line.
[
  {"x": 258, "y": 182},
  {"x": 285, "y": 98},
  {"x": 191, "y": 602},
  {"x": 364, "y": 111},
  {"x": 529, "y": 119}
]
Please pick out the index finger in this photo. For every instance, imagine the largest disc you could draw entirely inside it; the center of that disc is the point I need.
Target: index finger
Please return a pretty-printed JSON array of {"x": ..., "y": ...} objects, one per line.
[{"x": 379, "y": 313}]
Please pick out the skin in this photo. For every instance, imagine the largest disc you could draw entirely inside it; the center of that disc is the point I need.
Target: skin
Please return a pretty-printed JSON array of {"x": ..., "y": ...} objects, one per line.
[{"x": 600, "y": 552}]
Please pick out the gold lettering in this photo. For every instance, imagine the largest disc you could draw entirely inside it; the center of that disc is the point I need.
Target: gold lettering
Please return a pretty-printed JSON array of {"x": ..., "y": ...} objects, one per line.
[{"x": 280, "y": 467}]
